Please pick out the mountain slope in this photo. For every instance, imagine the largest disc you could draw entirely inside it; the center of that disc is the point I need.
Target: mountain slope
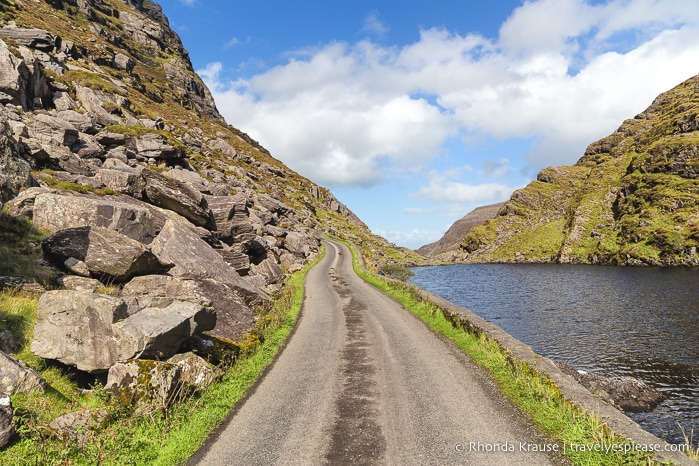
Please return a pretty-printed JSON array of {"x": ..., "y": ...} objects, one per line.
[
  {"x": 446, "y": 247},
  {"x": 120, "y": 78},
  {"x": 111, "y": 143},
  {"x": 632, "y": 199}
]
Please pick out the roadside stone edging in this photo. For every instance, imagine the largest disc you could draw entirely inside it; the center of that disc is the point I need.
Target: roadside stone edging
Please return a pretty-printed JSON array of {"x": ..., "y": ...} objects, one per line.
[{"x": 617, "y": 421}]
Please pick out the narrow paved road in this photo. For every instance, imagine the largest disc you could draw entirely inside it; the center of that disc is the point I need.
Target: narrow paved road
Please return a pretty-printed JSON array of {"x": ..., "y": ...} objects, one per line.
[{"x": 362, "y": 381}]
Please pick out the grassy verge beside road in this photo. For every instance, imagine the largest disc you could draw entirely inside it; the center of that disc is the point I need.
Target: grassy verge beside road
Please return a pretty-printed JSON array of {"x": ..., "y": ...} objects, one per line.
[{"x": 572, "y": 429}]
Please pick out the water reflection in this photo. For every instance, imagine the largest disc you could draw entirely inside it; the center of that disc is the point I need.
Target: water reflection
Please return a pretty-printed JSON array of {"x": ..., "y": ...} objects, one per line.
[{"x": 641, "y": 322}]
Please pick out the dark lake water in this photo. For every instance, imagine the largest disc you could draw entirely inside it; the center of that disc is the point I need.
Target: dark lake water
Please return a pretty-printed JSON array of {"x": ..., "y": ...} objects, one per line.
[{"x": 641, "y": 322}]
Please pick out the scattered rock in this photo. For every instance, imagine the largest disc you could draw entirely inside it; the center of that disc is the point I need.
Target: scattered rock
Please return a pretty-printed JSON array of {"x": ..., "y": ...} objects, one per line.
[
  {"x": 179, "y": 197},
  {"x": 627, "y": 393},
  {"x": 77, "y": 283},
  {"x": 16, "y": 377},
  {"x": 8, "y": 344},
  {"x": 79, "y": 425},
  {"x": 7, "y": 427}
]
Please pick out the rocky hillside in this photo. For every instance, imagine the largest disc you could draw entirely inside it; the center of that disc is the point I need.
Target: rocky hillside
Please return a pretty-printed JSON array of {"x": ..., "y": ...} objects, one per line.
[
  {"x": 632, "y": 199},
  {"x": 112, "y": 145},
  {"x": 447, "y": 247}
]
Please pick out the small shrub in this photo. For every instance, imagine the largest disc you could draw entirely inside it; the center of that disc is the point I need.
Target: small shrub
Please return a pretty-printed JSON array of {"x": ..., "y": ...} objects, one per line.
[{"x": 397, "y": 271}]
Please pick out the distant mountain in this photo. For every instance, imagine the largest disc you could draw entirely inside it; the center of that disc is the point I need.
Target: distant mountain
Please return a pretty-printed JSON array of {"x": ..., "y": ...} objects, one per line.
[
  {"x": 632, "y": 199},
  {"x": 447, "y": 247}
]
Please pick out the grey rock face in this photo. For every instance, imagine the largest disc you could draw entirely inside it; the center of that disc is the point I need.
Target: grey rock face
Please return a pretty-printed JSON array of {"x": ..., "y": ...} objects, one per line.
[
  {"x": 179, "y": 197},
  {"x": 32, "y": 38},
  {"x": 16, "y": 377},
  {"x": 109, "y": 255},
  {"x": 233, "y": 316},
  {"x": 195, "y": 259},
  {"x": 233, "y": 225},
  {"x": 16, "y": 172},
  {"x": 93, "y": 332},
  {"x": 128, "y": 216},
  {"x": 154, "y": 146},
  {"x": 7, "y": 428}
]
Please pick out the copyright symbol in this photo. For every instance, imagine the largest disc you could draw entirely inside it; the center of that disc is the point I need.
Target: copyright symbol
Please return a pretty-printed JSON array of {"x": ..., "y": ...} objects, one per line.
[{"x": 459, "y": 448}]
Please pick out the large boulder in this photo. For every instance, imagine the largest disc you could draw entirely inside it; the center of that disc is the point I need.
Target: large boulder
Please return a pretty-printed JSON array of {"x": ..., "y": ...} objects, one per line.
[
  {"x": 33, "y": 38},
  {"x": 178, "y": 196},
  {"x": 157, "y": 333},
  {"x": 154, "y": 146},
  {"x": 16, "y": 377},
  {"x": 161, "y": 382},
  {"x": 23, "y": 203},
  {"x": 128, "y": 216},
  {"x": 52, "y": 130},
  {"x": 233, "y": 317},
  {"x": 300, "y": 245},
  {"x": 7, "y": 427},
  {"x": 195, "y": 259},
  {"x": 121, "y": 181},
  {"x": 232, "y": 219},
  {"x": 93, "y": 332},
  {"x": 109, "y": 255}
]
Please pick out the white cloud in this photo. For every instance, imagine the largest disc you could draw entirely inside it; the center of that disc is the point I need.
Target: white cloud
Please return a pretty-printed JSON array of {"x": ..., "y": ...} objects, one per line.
[
  {"x": 412, "y": 239},
  {"x": 341, "y": 113},
  {"x": 454, "y": 191},
  {"x": 188, "y": 2},
  {"x": 374, "y": 25}
]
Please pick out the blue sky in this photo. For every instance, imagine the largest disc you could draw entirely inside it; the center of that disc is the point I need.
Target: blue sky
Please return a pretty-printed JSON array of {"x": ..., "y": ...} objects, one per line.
[{"x": 415, "y": 113}]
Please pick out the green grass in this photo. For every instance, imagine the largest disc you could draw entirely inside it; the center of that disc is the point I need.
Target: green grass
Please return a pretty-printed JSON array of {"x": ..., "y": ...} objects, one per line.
[
  {"x": 160, "y": 437},
  {"x": 20, "y": 249},
  {"x": 534, "y": 393}
]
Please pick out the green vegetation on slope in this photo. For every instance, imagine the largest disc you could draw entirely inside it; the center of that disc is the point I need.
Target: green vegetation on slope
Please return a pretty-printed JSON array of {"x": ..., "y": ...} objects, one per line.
[{"x": 633, "y": 198}]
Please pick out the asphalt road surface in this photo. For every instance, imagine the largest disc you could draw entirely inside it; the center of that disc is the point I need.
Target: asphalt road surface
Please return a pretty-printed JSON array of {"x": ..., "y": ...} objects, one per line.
[{"x": 362, "y": 381}]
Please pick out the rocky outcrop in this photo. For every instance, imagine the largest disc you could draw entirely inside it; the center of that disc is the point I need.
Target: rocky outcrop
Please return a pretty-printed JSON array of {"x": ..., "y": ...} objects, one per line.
[
  {"x": 97, "y": 247},
  {"x": 195, "y": 259},
  {"x": 16, "y": 172},
  {"x": 111, "y": 143},
  {"x": 627, "y": 393},
  {"x": 233, "y": 316},
  {"x": 93, "y": 332},
  {"x": 630, "y": 200}
]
